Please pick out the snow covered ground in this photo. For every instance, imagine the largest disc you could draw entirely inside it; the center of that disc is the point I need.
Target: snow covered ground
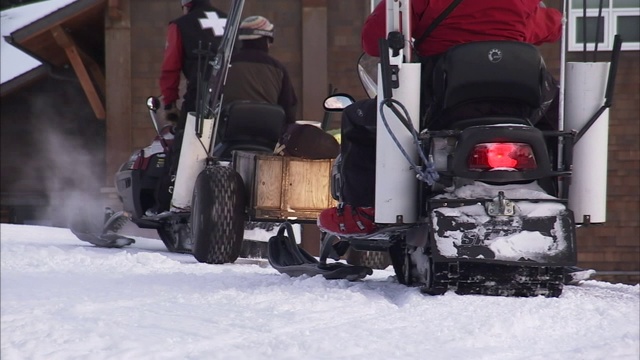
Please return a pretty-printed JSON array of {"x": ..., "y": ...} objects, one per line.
[{"x": 65, "y": 299}]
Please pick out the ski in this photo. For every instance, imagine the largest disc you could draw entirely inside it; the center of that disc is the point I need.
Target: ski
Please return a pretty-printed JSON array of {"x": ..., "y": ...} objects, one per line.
[
  {"x": 106, "y": 237},
  {"x": 210, "y": 103}
]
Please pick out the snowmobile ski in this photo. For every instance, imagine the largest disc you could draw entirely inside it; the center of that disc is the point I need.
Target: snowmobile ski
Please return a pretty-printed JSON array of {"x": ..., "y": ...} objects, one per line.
[
  {"x": 108, "y": 240},
  {"x": 288, "y": 258},
  {"x": 107, "y": 237},
  {"x": 114, "y": 221}
]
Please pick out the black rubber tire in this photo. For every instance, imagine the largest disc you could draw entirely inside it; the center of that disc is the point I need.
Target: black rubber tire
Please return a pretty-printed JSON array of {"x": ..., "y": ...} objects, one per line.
[
  {"x": 400, "y": 262},
  {"x": 217, "y": 215},
  {"x": 407, "y": 269},
  {"x": 373, "y": 259}
]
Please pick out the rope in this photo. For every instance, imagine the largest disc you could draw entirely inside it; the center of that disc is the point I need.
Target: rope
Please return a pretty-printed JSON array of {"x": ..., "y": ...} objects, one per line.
[{"x": 427, "y": 173}]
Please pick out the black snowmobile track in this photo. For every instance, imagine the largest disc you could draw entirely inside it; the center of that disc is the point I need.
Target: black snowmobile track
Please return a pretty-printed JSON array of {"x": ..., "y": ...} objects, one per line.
[
  {"x": 466, "y": 278},
  {"x": 288, "y": 258}
]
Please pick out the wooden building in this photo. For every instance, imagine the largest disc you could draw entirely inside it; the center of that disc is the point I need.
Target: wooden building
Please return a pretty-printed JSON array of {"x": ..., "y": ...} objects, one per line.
[{"x": 101, "y": 59}]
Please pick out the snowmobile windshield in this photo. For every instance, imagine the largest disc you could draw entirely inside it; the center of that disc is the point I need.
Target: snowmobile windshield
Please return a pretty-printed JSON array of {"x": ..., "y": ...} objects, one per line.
[{"x": 368, "y": 74}]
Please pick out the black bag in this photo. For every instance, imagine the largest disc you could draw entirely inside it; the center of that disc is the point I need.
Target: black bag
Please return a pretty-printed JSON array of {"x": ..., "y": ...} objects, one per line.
[{"x": 307, "y": 141}]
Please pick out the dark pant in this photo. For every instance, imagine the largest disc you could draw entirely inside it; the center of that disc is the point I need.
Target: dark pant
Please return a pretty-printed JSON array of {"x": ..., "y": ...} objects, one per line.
[
  {"x": 358, "y": 153},
  {"x": 358, "y": 143}
]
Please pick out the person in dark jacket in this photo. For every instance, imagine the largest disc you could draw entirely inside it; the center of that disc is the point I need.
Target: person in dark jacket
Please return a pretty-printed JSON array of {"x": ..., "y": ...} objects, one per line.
[
  {"x": 200, "y": 27},
  {"x": 518, "y": 20},
  {"x": 254, "y": 74}
]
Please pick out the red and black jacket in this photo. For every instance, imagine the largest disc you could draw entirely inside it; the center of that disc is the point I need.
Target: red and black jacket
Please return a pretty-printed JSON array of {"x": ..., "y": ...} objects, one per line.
[{"x": 184, "y": 35}]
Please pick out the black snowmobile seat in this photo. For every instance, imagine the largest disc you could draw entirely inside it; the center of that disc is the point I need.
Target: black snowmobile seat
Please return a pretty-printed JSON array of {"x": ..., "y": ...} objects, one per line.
[
  {"x": 250, "y": 125},
  {"x": 489, "y": 120},
  {"x": 507, "y": 71},
  {"x": 252, "y": 120}
]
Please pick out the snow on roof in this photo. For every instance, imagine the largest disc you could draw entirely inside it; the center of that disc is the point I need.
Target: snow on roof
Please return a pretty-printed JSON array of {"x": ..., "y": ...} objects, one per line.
[{"x": 14, "y": 62}]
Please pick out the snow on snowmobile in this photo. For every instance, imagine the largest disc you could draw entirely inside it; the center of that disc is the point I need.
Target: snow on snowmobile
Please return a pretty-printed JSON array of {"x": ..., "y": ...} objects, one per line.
[{"x": 478, "y": 205}]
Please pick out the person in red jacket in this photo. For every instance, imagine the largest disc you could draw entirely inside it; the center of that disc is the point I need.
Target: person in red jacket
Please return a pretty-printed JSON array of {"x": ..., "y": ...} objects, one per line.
[
  {"x": 199, "y": 27},
  {"x": 470, "y": 21},
  {"x": 520, "y": 20}
]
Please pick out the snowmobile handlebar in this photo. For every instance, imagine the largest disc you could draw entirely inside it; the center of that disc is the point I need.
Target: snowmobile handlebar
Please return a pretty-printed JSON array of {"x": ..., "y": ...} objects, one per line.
[{"x": 153, "y": 104}]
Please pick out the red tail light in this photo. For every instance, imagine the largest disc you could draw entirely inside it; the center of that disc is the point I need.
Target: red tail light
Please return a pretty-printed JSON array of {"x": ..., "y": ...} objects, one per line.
[{"x": 502, "y": 156}]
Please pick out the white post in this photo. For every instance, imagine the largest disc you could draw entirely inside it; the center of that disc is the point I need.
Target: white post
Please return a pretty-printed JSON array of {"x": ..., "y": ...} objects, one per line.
[
  {"x": 396, "y": 184},
  {"x": 585, "y": 93},
  {"x": 563, "y": 66},
  {"x": 193, "y": 154},
  {"x": 406, "y": 30}
]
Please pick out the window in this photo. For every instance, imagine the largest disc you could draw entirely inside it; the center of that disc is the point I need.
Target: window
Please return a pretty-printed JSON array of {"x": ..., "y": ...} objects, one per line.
[{"x": 617, "y": 17}]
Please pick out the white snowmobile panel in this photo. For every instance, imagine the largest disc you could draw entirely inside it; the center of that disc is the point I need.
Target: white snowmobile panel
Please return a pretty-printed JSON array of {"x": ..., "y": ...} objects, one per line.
[
  {"x": 396, "y": 184},
  {"x": 585, "y": 93},
  {"x": 192, "y": 161}
]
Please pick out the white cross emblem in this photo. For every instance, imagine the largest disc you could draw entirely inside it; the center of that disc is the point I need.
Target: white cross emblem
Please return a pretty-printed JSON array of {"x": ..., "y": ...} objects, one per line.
[{"x": 213, "y": 22}]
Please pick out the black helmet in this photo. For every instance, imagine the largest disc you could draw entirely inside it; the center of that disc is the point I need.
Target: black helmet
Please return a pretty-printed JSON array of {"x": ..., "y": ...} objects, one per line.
[{"x": 255, "y": 27}]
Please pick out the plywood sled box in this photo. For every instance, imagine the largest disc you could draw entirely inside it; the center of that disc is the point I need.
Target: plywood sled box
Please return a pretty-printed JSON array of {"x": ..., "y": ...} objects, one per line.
[{"x": 284, "y": 187}]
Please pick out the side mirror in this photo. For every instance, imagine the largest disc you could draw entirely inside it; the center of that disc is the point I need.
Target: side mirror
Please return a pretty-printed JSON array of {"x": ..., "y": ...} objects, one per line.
[
  {"x": 338, "y": 102},
  {"x": 153, "y": 103}
]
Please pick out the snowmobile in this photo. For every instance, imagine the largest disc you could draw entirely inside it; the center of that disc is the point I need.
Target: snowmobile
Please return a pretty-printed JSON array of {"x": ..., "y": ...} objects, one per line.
[
  {"x": 247, "y": 126},
  {"x": 211, "y": 135},
  {"x": 476, "y": 204},
  {"x": 209, "y": 210}
]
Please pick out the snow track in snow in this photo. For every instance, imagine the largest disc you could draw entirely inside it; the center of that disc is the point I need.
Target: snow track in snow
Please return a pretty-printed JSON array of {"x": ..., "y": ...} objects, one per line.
[{"x": 63, "y": 298}]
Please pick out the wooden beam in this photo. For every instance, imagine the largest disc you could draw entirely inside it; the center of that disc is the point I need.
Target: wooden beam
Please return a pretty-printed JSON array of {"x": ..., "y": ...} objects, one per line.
[
  {"x": 314, "y": 58},
  {"x": 70, "y": 48},
  {"x": 96, "y": 72},
  {"x": 113, "y": 11},
  {"x": 314, "y": 84},
  {"x": 119, "y": 90},
  {"x": 314, "y": 3}
]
